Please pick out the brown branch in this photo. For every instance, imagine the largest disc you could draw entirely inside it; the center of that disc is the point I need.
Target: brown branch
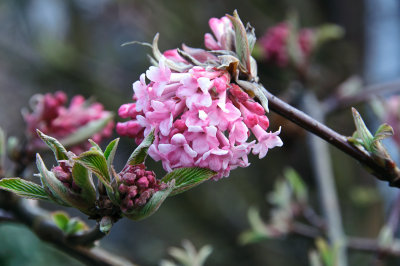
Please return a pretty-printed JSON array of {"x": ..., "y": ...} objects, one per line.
[
  {"x": 388, "y": 172},
  {"x": 38, "y": 221}
]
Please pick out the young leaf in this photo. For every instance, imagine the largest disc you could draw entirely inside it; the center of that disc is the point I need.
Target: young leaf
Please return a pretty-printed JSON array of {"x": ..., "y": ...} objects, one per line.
[
  {"x": 95, "y": 145},
  {"x": 109, "y": 153},
  {"x": 297, "y": 184},
  {"x": 95, "y": 162},
  {"x": 59, "y": 151},
  {"x": 23, "y": 188},
  {"x": 152, "y": 205},
  {"x": 187, "y": 178},
  {"x": 58, "y": 192},
  {"x": 139, "y": 154},
  {"x": 61, "y": 219},
  {"x": 86, "y": 131},
  {"x": 241, "y": 42},
  {"x": 83, "y": 179},
  {"x": 384, "y": 131},
  {"x": 68, "y": 225},
  {"x": 362, "y": 131}
]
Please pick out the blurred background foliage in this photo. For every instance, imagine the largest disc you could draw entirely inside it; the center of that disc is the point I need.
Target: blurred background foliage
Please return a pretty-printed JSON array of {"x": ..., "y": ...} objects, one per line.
[{"x": 75, "y": 46}]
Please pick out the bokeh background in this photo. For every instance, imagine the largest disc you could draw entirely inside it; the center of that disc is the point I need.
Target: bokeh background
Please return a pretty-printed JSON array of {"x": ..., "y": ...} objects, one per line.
[{"x": 75, "y": 46}]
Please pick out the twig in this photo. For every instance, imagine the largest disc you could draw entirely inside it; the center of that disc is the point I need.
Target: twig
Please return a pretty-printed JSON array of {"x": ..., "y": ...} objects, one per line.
[
  {"x": 394, "y": 216},
  {"x": 87, "y": 238},
  {"x": 321, "y": 163},
  {"x": 334, "y": 102},
  {"x": 38, "y": 221},
  {"x": 384, "y": 172},
  {"x": 6, "y": 217},
  {"x": 362, "y": 244}
]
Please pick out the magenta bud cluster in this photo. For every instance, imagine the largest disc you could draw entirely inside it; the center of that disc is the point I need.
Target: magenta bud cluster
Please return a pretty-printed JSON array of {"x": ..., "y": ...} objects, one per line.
[
  {"x": 51, "y": 115},
  {"x": 275, "y": 43},
  {"x": 137, "y": 186},
  {"x": 63, "y": 172}
]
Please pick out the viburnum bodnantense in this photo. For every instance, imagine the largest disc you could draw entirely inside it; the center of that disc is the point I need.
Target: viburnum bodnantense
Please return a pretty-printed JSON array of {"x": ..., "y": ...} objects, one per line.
[{"x": 194, "y": 101}]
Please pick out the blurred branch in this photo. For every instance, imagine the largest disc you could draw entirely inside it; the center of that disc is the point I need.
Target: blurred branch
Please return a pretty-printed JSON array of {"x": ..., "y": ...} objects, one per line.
[
  {"x": 334, "y": 102},
  {"x": 87, "y": 238},
  {"x": 6, "y": 217},
  {"x": 322, "y": 168},
  {"x": 305, "y": 121},
  {"x": 367, "y": 245},
  {"x": 38, "y": 221}
]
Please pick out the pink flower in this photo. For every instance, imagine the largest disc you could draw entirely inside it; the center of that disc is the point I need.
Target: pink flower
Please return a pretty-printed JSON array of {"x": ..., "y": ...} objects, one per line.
[
  {"x": 51, "y": 116},
  {"x": 223, "y": 31},
  {"x": 199, "y": 117}
]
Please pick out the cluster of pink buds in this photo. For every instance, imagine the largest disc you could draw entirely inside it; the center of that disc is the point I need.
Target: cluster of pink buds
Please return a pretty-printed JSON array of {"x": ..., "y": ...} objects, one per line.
[
  {"x": 275, "y": 44},
  {"x": 199, "y": 115},
  {"x": 137, "y": 186},
  {"x": 63, "y": 172},
  {"x": 51, "y": 116}
]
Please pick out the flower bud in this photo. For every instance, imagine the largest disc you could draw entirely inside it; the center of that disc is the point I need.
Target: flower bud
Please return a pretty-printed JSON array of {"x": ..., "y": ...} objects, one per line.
[{"x": 137, "y": 186}]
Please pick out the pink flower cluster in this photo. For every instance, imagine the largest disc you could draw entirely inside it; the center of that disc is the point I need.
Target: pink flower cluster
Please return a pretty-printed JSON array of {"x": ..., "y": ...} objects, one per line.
[
  {"x": 51, "y": 116},
  {"x": 392, "y": 116},
  {"x": 200, "y": 118},
  {"x": 275, "y": 43},
  {"x": 137, "y": 186}
]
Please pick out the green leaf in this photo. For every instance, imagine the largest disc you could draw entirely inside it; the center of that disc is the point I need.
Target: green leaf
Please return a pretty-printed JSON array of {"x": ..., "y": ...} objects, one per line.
[
  {"x": 297, "y": 184},
  {"x": 139, "y": 154},
  {"x": 86, "y": 131},
  {"x": 187, "y": 178},
  {"x": 23, "y": 188},
  {"x": 328, "y": 32},
  {"x": 384, "y": 131},
  {"x": 83, "y": 179},
  {"x": 95, "y": 145},
  {"x": 259, "y": 230},
  {"x": 95, "y": 162},
  {"x": 58, "y": 192},
  {"x": 152, "y": 205},
  {"x": 59, "y": 151},
  {"x": 61, "y": 219},
  {"x": 68, "y": 225},
  {"x": 109, "y": 153},
  {"x": 241, "y": 42},
  {"x": 362, "y": 131}
]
